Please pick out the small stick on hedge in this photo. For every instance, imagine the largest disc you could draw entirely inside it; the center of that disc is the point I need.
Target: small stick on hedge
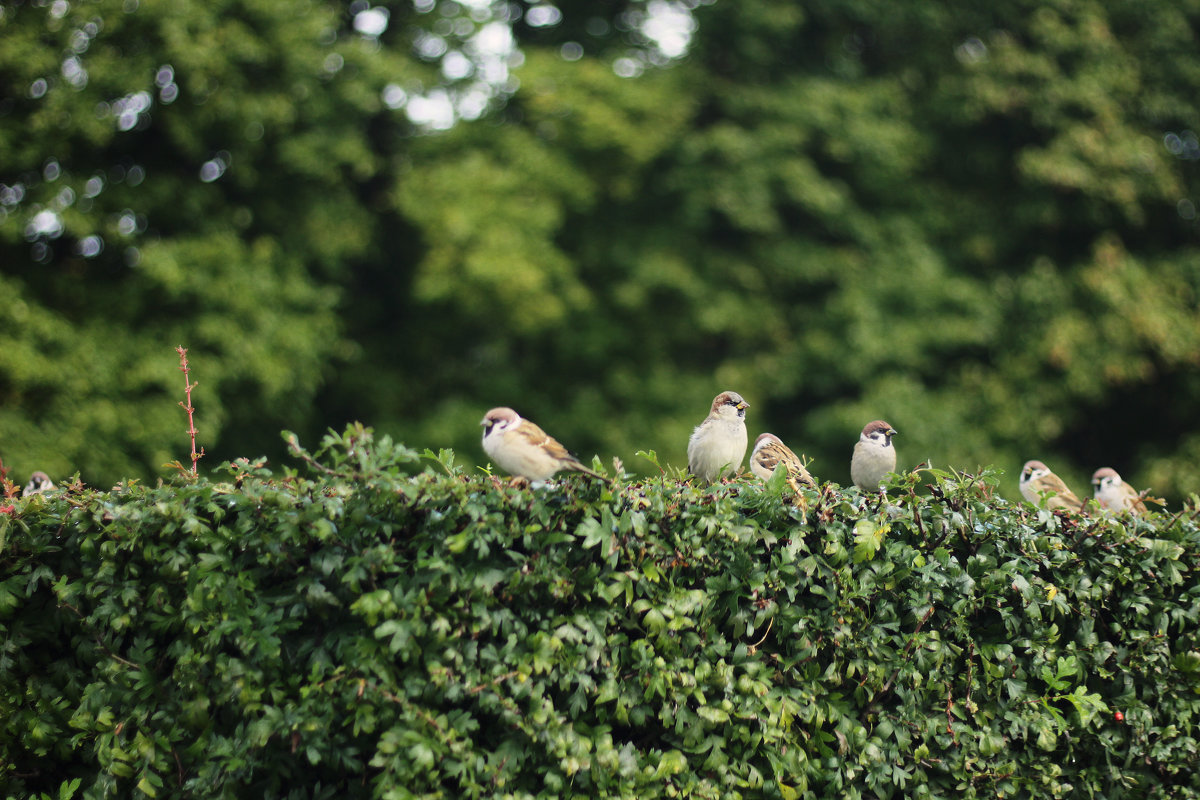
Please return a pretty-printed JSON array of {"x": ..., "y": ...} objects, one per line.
[
  {"x": 754, "y": 647},
  {"x": 949, "y": 718},
  {"x": 188, "y": 386},
  {"x": 495, "y": 682},
  {"x": 8, "y": 489}
]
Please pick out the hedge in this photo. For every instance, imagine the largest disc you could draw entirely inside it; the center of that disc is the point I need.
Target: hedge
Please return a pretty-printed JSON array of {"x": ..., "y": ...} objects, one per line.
[{"x": 374, "y": 622}]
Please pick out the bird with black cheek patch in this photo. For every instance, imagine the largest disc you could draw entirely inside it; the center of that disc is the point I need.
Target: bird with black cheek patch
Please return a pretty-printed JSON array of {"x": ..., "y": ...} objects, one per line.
[
  {"x": 1037, "y": 481},
  {"x": 873, "y": 456},
  {"x": 524, "y": 450},
  {"x": 39, "y": 483},
  {"x": 1114, "y": 494},
  {"x": 718, "y": 444}
]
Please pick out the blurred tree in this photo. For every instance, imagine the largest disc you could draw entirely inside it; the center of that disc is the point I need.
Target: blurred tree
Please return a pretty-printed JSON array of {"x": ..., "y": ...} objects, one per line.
[
  {"x": 977, "y": 224},
  {"x": 218, "y": 175},
  {"x": 183, "y": 173}
]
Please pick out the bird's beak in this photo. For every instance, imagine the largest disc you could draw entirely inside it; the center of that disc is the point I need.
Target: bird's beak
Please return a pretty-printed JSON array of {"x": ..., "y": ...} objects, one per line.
[
  {"x": 742, "y": 406},
  {"x": 892, "y": 432}
]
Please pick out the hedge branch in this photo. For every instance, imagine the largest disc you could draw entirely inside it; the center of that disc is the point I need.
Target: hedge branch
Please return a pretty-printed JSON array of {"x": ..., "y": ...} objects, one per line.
[
  {"x": 187, "y": 406},
  {"x": 9, "y": 489}
]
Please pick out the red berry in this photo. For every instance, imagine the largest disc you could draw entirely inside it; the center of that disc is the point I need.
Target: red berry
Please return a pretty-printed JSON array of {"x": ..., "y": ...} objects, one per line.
[{"x": 1119, "y": 717}]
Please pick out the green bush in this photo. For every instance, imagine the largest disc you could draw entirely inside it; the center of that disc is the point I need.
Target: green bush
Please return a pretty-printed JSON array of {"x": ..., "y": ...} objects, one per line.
[{"x": 351, "y": 629}]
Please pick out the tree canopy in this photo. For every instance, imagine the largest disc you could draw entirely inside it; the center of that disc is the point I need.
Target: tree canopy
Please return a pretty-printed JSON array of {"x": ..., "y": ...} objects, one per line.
[{"x": 978, "y": 224}]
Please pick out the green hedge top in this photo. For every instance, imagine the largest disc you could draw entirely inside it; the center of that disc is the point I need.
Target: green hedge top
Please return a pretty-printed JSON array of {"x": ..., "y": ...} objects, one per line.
[{"x": 349, "y": 629}]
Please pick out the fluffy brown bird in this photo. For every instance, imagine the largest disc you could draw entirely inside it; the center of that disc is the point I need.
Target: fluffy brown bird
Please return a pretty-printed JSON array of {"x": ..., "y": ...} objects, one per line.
[
  {"x": 770, "y": 452},
  {"x": 718, "y": 444},
  {"x": 1037, "y": 481},
  {"x": 39, "y": 482},
  {"x": 873, "y": 456},
  {"x": 521, "y": 448},
  {"x": 1114, "y": 494}
]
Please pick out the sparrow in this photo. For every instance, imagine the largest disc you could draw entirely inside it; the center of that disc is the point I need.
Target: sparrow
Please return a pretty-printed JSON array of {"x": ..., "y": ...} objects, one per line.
[
  {"x": 1038, "y": 480},
  {"x": 873, "y": 456},
  {"x": 523, "y": 449},
  {"x": 769, "y": 452},
  {"x": 1115, "y": 494},
  {"x": 718, "y": 444},
  {"x": 39, "y": 482}
]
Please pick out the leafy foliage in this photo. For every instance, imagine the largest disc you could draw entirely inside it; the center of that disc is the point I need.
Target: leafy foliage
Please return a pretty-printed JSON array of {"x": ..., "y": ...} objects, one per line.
[{"x": 346, "y": 628}]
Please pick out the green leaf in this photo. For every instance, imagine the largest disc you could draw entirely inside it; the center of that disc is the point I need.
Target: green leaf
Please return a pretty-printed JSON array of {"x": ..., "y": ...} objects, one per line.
[{"x": 868, "y": 538}]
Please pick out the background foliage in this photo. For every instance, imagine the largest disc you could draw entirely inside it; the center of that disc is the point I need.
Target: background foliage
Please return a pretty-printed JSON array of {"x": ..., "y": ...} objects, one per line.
[
  {"x": 351, "y": 630},
  {"x": 979, "y": 224}
]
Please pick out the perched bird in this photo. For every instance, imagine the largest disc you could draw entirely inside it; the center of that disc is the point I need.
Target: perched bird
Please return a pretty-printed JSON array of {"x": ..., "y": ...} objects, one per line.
[
  {"x": 718, "y": 444},
  {"x": 769, "y": 452},
  {"x": 1038, "y": 480},
  {"x": 1114, "y": 494},
  {"x": 523, "y": 449},
  {"x": 873, "y": 456},
  {"x": 39, "y": 482}
]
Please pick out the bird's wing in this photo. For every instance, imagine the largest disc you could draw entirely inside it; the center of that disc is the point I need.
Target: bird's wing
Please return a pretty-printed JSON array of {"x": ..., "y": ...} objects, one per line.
[{"x": 551, "y": 447}]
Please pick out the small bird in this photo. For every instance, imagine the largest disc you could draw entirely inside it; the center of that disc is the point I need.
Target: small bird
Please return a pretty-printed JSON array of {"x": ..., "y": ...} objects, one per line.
[
  {"x": 873, "y": 456},
  {"x": 718, "y": 444},
  {"x": 1038, "y": 480},
  {"x": 1114, "y": 494},
  {"x": 523, "y": 449},
  {"x": 769, "y": 452},
  {"x": 39, "y": 482}
]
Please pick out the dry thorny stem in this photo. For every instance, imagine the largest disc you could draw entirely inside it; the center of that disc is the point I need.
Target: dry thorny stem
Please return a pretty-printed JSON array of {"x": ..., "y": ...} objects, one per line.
[{"x": 187, "y": 406}]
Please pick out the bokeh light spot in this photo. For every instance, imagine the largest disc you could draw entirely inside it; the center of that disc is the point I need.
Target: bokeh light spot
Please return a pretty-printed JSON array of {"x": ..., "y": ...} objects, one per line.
[
  {"x": 670, "y": 26},
  {"x": 213, "y": 169},
  {"x": 334, "y": 63},
  {"x": 127, "y": 223},
  {"x": 430, "y": 46},
  {"x": 627, "y": 67},
  {"x": 456, "y": 66},
  {"x": 90, "y": 246},
  {"x": 434, "y": 110},
  {"x": 542, "y": 16},
  {"x": 971, "y": 51},
  {"x": 372, "y": 22},
  {"x": 394, "y": 97},
  {"x": 74, "y": 73},
  {"x": 45, "y": 223}
]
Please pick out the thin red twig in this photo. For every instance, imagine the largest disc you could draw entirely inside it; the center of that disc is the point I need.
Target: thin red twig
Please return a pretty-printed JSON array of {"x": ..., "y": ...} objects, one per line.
[{"x": 188, "y": 386}]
